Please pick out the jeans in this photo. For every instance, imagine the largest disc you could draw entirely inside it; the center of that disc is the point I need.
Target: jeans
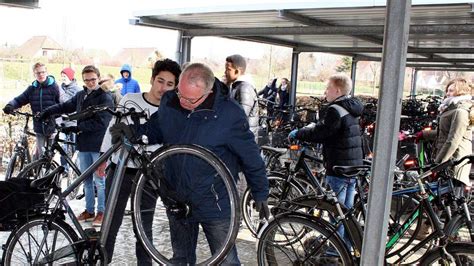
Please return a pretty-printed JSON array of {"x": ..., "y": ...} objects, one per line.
[
  {"x": 345, "y": 191},
  {"x": 184, "y": 234},
  {"x": 124, "y": 194},
  {"x": 69, "y": 149},
  {"x": 86, "y": 159},
  {"x": 40, "y": 143}
]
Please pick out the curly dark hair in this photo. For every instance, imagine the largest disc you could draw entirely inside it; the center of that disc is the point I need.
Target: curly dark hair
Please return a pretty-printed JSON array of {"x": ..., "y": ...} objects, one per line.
[{"x": 167, "y": 65}]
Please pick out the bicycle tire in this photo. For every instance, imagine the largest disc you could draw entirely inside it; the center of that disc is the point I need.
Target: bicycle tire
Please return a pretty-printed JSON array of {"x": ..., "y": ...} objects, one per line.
[
  {"x": 248, "y": 207},
  {"x": 16, "y": 164},
  {"x": 145, "y": 190},
  {"x": 28, "y": 237},
  {"x": 38, "y": 169},
  {"x": 71, "y": 176},
  {"x": 462, "y": 252},
  {"x": 459, "y": 229},
  {"x": 310, "y": 249}
]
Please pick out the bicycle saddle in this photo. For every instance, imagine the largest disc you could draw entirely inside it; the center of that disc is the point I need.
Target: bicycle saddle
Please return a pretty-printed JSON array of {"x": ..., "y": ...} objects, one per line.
[{"x": 45, "y": 182}]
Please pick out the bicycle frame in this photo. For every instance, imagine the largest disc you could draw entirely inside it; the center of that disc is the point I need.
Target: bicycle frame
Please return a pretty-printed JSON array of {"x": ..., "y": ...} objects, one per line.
[{"x": 111, "y": 202}]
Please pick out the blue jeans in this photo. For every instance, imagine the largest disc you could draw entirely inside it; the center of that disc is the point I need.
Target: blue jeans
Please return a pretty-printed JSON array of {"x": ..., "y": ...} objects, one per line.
[
  {"x": 184, "y": 234},
  {"x": 40, "y": 145},
  {"x": 86, "y": 159},
  {"x": 345, "y": 190}
]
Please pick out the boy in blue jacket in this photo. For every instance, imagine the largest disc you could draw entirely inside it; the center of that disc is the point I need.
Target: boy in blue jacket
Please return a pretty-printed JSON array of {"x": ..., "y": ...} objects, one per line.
[{"x": 41, "y": 94}]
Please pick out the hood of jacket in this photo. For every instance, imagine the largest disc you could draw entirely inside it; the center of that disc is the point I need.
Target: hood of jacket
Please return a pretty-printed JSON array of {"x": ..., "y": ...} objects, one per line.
[
  {"x": 126, "y": 68},
  {"x": 352, "y": 105},
  {"x": 48, "y": 82}
]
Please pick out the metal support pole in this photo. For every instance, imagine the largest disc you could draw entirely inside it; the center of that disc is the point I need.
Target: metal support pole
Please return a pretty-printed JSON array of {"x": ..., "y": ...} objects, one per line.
[
  {"x": 395, "y": 45},
  {"x": 353, "y": 75},
  {"x": 183, "y": 53},
  {"x": 294, "y": 77},
  {"x": 413, "y": 81},
  {"x": 179, "y": 43},
  {"x": 186, "y": 57}
]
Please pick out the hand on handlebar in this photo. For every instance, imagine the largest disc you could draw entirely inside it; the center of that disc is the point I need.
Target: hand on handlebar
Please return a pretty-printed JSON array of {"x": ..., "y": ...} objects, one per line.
[
  {"x": 119, "y": 130},
  {"x": 42, "y": 116},
  {"x": 292, "y": 134},
  {"x": 8, "y": 109}
]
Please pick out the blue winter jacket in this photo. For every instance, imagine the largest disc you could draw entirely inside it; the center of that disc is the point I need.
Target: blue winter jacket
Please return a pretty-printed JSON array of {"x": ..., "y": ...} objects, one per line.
[
  {"x": 220, "y": 125},
  {"x": 40, "y": 96},
  {"x": 92, "y": 129},
  {"x": 129, "y": 85}
]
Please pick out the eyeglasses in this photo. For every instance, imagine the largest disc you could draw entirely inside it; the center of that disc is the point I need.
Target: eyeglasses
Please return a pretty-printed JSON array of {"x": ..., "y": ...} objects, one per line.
[
  {"x": 40, "y": 73},
  {"x": 90, "y": 80},
  {"x": 191, "y": 101}
]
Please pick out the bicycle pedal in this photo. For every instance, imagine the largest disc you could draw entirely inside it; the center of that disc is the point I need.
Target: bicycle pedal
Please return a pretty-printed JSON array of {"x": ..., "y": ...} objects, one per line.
[
  {"x": 80, "y": 196},
  {"x": 92, "y": 234}
]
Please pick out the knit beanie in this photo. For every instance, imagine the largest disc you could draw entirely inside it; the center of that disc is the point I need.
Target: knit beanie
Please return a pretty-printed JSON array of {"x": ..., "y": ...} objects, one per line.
[{"x": 68, "y": 72}]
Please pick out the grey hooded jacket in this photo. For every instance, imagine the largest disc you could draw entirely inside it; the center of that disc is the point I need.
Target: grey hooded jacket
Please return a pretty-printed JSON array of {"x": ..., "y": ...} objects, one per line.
[{"x": 246, "y": 95}]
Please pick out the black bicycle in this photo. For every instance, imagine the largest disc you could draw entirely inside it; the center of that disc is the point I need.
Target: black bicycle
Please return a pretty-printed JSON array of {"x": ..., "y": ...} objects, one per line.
[
  {"x": 21, "y": 152},
  {"x": 155, "y": 200}
]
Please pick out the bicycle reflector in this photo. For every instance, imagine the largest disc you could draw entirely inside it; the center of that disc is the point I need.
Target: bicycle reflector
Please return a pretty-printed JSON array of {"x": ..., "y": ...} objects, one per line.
[
  {"x": 409, "y": 163},
  {"x": 294, "y": 147}
]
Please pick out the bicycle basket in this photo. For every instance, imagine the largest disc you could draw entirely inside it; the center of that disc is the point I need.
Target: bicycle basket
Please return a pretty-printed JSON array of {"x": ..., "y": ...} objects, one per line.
[{"x": 17, "y": 200}]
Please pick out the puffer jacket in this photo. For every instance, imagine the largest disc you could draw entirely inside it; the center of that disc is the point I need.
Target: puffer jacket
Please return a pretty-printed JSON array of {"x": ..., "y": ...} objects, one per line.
[
  {"x": 453, "y": 137},
  {"x": 40, "y": 96},
  {"x": 220, "y": 125},
  {"x": 66, "y": 92},
  {"x": 246, "y": 95},
  {"x": 269, "y": 92},
  {"x": 129, "y": 85},
  {"x": 339, "y": 132},
  {"x": 92, "y": 129}
]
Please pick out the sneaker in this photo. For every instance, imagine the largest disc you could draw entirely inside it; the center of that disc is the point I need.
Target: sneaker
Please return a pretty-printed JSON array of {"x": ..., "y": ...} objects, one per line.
[
  {"x": 85, "y": 216},
  {"x": 98, "y": 219}
]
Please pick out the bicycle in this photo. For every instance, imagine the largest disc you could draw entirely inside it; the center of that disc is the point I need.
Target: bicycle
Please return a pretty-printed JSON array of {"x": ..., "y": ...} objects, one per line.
[
  {"x": 297, "y": 180},
  {"x": 46, "y": 163},
  {"x": 153, "y": 199},
  {"x": 276, "y": 245},
  {"x": 21, "y": 152}
]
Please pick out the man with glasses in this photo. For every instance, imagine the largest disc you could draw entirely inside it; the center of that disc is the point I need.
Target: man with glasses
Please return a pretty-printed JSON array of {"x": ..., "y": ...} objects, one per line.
[
  {"x": 90, "y": 132},
  {"x": 41, "y": 94},
  {"x": 201, "y": 112}
]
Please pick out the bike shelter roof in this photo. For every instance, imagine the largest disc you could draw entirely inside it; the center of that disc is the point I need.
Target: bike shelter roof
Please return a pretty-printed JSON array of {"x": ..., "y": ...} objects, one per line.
[{"x": 441, "y": 32}]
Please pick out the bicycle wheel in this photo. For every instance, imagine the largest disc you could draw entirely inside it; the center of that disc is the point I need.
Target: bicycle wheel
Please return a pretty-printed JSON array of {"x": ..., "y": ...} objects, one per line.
[
  {"x": 38, "y": 169},
  {"x": 34, "y": 240},
  {"x": 275, "y": 183},
  {"x": 458, "y": 254},
  {"x": 155, "y": 214},
  {"x": 72, "y": 175},
  {"x": 16, "y": 164},
  {"x": 459, "y": 229},
  {"x": 316, "y": 243}
]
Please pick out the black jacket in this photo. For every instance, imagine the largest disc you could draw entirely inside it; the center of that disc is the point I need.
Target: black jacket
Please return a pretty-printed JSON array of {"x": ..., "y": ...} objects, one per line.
[
  {"x": 92, "y": 129},
  {"x": 339, "y": 132}
]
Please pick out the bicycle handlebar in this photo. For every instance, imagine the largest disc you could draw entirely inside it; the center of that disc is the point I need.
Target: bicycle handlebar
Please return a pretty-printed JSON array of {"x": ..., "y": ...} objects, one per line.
[
  {"x": 92, "y": 110},
  {"x": 447, "y": 164},
  {"x": 24, "y": 114}
]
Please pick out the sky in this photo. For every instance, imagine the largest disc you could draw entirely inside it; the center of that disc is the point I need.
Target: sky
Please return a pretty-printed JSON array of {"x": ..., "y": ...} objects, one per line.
[{"x": 103, "y": 24}]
